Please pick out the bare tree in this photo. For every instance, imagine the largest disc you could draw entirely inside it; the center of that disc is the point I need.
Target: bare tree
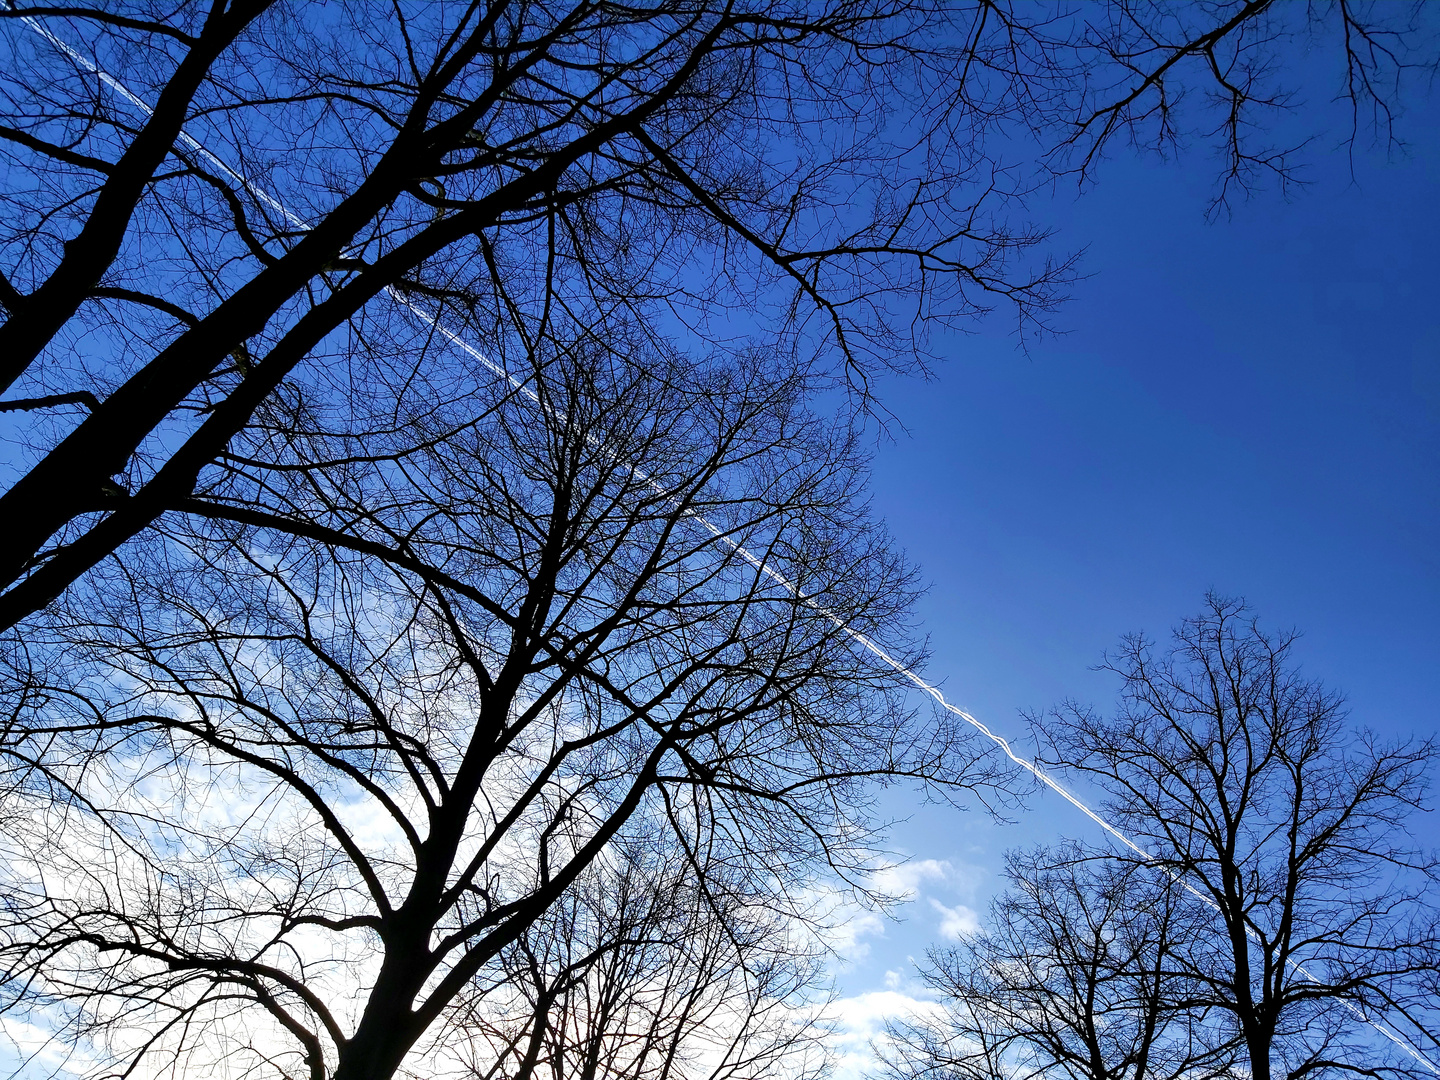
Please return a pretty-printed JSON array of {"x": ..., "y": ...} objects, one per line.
[
  {"x": 286, "y": 796},
  {"x": 1078, "y": 974},
  {"x": 340, "y": 653},
  {"x": 204, "y": 200},
  {"x": 637, "y": 975},
  {"x": 1244, "y": 781}
]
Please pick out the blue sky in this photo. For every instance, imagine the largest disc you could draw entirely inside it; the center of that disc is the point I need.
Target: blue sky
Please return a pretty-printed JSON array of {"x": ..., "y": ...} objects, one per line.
[{"x": 1251, "y": 405}]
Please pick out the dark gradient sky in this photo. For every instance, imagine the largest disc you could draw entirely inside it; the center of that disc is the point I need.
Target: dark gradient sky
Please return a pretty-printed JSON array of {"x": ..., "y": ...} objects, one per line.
[{"x": 1251, "y": 405}]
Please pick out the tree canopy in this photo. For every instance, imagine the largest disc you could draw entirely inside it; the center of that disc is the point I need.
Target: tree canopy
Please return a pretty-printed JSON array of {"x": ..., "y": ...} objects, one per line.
[{"x": 418, "y": 514}]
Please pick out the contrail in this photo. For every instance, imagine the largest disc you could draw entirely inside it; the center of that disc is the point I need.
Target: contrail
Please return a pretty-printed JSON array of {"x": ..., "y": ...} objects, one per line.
[{"x": 760, "y": 564}]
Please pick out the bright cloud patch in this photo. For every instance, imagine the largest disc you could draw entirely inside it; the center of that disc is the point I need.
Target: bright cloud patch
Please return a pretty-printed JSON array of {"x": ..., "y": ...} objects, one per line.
[
  {"x": 845, "y": 937},
  {"x": 956, "y": 922},
  {"x": 860, "y": 1024},
  {"x": 903, "y": 880}
]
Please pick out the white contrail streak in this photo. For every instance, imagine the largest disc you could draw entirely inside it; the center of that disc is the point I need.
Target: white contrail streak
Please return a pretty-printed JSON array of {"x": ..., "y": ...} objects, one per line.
[{"x": 721, "y": 537}]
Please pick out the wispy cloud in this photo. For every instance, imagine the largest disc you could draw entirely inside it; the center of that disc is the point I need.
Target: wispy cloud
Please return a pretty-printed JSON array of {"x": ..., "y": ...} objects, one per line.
[
  {"x": 847, "y": 936},
  {"x": 956, "y": 922},
  {"x": 903, "y": 880},
  {"x": 860, "y": 1024}
]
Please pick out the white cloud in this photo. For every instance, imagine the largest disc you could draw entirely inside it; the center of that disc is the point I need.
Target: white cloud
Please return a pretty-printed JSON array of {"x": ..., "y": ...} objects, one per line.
[
  {"x": 860, "y": 1023},
  {"x": 906, "y": 880},
  {"x": 23, "y": 1043},
  {"x": 903, "y": 880},
  {"x": 956, "y": 922},
  {"x": 845, "y": 936},
  {"x": 900, "y": 882},
  {"x": 839, "y": 919},
  {"x": 860, "y": 1018}
]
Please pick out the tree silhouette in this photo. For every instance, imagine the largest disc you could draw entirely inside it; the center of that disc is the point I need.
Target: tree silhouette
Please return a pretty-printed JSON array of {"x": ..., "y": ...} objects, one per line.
[
  {"x": 415, "y": 501},
  {"x": 1243, "y": 779},
  {"x": 205, "y": 204}
]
